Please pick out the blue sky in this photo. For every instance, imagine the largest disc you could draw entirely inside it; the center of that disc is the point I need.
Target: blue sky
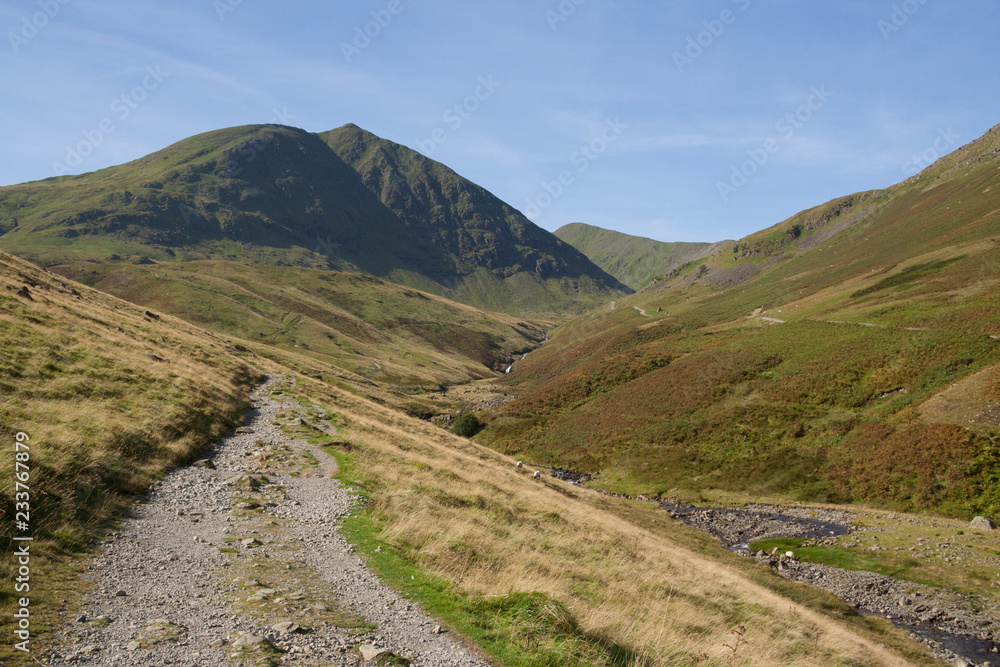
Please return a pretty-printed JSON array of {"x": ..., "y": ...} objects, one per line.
[{"x": 680, "y": 121}]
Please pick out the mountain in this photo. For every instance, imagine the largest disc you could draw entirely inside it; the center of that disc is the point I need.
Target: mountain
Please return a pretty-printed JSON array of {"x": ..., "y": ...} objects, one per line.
[
  {"x": 276, "y": 195},
  {"x": 634, "y": 260},
  {"x": 851, "y": 352},
  {"x": 504, "y": 255}
]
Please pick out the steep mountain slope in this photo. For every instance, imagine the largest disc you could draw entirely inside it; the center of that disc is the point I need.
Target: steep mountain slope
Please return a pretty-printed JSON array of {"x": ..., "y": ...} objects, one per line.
[
  {"x": 849, "y": 352},
  {"x": 506, "y": 257},
  {"x": 108, "y": 396},
  {"x": 278, "y": 195},
  {"x": 262, "y": 193},
  {"x": 634, "y": 260}
]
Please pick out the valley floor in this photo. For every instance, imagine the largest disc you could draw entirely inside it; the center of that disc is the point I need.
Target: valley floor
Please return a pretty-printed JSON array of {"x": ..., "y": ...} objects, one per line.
[{"x": 238, "y": 559}]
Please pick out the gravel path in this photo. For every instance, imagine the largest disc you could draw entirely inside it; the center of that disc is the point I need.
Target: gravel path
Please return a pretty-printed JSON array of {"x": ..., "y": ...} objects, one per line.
[{"x": 238, "y": 560}]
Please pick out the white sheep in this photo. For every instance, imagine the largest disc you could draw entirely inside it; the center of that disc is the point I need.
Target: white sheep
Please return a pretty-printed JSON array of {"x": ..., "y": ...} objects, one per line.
[
  {"x": 537, "y": 474},
  {"x": 520, "y": 464}
]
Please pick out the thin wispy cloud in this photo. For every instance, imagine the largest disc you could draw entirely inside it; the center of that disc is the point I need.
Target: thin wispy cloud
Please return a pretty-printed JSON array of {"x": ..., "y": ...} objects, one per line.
[{"x": 680, "y": 132}]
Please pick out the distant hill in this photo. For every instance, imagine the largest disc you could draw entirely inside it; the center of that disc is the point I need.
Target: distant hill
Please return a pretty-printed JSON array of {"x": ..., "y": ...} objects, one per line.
[
  {"x": 634, "y": 260},
  {"x": 276, "y": 195},
  {"x": 851, "y": 352}
]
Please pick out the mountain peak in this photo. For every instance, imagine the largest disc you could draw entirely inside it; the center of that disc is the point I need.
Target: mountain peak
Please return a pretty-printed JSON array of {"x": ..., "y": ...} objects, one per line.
[{"x": 344, "y": 199}]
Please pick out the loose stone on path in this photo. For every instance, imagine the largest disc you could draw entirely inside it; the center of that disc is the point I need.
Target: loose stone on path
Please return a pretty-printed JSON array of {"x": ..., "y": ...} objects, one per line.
[{"x": 235, "y": 557}]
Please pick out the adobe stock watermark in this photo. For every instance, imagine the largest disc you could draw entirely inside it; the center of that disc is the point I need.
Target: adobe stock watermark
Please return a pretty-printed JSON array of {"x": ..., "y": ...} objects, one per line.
[
  {"x": 223, "y": 7},
  {"x": 121, "y": 108},
  {"x": 581, "y": 158},
  {"x": 943, "y": 144},
  {"x": 456, "y": 115},
  {"x": 381, "y": 18},
  {"x": 704, "y": 40},
  {"x": 562, "y": 13},
  {"x": 899, "y": 17},
  {"x": 786, "y": 127},
  {"x": 33, "y": 23}
]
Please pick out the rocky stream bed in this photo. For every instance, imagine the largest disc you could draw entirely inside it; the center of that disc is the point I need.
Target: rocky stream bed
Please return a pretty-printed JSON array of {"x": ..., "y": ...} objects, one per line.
[{"x": 961, "y": 629}]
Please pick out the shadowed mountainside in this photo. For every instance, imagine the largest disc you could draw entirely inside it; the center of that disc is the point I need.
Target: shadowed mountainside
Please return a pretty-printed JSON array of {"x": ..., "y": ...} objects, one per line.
[{"x": 276, "y": 195}]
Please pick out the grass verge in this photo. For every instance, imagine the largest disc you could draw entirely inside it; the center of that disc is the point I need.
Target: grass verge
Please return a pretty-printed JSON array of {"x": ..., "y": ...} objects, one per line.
[{"x": 521, "y": 629}]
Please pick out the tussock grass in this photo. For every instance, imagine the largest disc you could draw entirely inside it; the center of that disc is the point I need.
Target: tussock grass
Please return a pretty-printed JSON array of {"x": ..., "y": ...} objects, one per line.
[
  {"x": 564, "y": 571},
  {"x": 377, "y": 330},
  {"x": 110, "y": 399}
]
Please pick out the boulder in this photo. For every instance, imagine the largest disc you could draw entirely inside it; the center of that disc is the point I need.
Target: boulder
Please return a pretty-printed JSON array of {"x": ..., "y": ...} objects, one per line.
[
  {"x": 248, "y": 640},
  {"x": 982, "y": 523},
  {"x": 369, "y": 652},
  {"x": 286, "y": 627}
]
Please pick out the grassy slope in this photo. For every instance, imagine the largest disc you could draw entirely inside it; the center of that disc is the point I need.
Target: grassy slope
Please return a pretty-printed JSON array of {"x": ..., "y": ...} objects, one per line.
[
  {"x": 377, "y": 331},
  {"x": 889, "y": 300},
  {"x": 544, "y": 573},
  {"x": 634, "y": 260},
  {"x": 105, "y": 419},
  {"x": 109, "y": 399},
  {"x": 276, "y": 195}
]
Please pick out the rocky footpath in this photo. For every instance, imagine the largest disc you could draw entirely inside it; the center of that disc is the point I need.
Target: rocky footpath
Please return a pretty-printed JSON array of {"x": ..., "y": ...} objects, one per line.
[{"x": 237, "y": 560}]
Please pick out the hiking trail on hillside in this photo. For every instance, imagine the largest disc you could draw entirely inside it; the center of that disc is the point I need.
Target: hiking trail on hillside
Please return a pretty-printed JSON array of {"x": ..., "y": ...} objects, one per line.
[{"x": 238, "y": 560}]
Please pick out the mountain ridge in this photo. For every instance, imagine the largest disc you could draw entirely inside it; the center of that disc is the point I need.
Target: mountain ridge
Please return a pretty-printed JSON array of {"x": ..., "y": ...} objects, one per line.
[{"x": 271, "y": 194}]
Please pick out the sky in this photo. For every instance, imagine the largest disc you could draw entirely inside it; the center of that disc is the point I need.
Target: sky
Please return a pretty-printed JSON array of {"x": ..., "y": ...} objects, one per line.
[{"x": 685, "y": 120}]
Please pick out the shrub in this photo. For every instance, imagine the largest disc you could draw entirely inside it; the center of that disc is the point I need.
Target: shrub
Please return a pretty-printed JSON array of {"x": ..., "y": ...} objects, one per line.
[{"x": 466, "y": 425}]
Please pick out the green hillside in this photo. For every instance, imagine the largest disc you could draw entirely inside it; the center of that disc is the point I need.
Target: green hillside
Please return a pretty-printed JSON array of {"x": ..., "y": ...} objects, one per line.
[
  {"x": 376, "y": 331},
  {"x": 848, "y": 353},
  {"x": 276, "y": 195},
  {"x": 634, "y": 260}
]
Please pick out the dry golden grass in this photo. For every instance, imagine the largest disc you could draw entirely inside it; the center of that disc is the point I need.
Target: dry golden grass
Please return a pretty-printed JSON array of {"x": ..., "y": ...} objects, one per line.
[
  {"x": 110, "y": 399},
  {"x": 105, "y": 420},
  {"x": 467, "y": 514}
]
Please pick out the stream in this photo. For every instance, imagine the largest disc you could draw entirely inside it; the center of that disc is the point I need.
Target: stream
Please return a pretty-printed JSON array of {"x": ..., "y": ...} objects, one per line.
[{"x": 871, "y": 594}]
